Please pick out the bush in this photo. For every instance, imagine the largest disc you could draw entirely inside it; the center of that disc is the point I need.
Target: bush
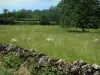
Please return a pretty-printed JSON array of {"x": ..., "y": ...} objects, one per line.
[
  {"x": 44, "y": 20},
  {"x": 4, "y": 71},
  {"x": 27, "y": 22},
  {"x": 7, "y": 21},
  {"x": 12, "y": 61}
]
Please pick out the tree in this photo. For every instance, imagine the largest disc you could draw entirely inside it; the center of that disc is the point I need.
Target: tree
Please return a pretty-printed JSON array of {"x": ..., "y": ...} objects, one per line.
[
  {"x": 36, "y": 14},
  {"x": 44, "y": 20},
  {"x": 79, "y": 13},
  {"x": 53, "y": 15},
  {"x": 5, "y": 11},
  {"x": 14, "y": 13}
]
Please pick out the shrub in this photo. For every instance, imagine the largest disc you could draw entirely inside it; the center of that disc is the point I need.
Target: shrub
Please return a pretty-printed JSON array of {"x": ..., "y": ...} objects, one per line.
[
  {"x": 44, "y": 20},
  {"x": 12, "y": 61},
  {"x": 7, "y": 21},
  {"x": 4, "y": 71}
]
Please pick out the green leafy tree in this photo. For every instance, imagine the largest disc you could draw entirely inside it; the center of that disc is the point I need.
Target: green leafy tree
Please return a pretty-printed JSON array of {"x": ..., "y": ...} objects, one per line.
[
  {"x": 44, "y": 20},
  {"x": 79, "y": 13},
  {"x": 5, "y": 11},
  {"x": 53, "y": 15}
]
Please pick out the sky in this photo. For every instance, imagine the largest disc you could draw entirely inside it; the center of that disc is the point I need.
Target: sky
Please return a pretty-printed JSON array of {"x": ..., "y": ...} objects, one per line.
[{"x": 26, "y": 4}]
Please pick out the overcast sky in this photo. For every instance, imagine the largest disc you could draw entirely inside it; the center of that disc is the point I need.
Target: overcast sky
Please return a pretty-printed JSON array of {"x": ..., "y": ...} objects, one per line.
[{"x": 26, "y": 4}]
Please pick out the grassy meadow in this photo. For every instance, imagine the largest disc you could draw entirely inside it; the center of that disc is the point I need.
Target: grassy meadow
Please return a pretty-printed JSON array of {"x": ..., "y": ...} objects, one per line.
[{"x": 66, "y": 44}]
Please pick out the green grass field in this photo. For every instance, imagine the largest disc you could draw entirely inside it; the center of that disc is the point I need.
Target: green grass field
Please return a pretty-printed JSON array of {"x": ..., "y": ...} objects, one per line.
[{"x": 65, "y": 45}]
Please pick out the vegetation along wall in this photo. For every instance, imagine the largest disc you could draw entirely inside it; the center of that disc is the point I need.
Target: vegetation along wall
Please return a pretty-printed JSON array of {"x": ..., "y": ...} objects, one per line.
[{"x": 30, "y": 62}]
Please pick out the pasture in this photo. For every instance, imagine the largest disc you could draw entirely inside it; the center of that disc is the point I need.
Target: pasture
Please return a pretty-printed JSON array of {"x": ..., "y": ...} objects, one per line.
[{"x": 55, "y": 41}]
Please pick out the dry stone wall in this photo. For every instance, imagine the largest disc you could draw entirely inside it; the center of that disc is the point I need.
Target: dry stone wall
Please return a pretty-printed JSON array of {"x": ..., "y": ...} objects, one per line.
[{"x": 54, "y": 66}]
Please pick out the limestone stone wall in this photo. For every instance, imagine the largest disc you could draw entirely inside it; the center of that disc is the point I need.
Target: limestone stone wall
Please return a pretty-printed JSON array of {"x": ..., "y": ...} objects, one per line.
[{"x": 53, "y": 65}]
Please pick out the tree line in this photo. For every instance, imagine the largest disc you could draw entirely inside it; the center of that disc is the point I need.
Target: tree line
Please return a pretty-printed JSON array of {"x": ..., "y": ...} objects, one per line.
[
  {"x": 67, "y": 13},
  {"x": 43, "y": 17}
]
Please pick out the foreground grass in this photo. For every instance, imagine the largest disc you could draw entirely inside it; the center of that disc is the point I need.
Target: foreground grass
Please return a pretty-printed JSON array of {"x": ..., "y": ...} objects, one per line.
[{"x": 66, "y": 44}]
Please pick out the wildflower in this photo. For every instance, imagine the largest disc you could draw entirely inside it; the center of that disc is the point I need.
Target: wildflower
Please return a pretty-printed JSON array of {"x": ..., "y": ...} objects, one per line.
[
  {"x": 13, "y": 40},
  {"x": 95, "y": 40},
  {"x": 28, "y": 38},
  {"x": 49, "y": 39}
]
